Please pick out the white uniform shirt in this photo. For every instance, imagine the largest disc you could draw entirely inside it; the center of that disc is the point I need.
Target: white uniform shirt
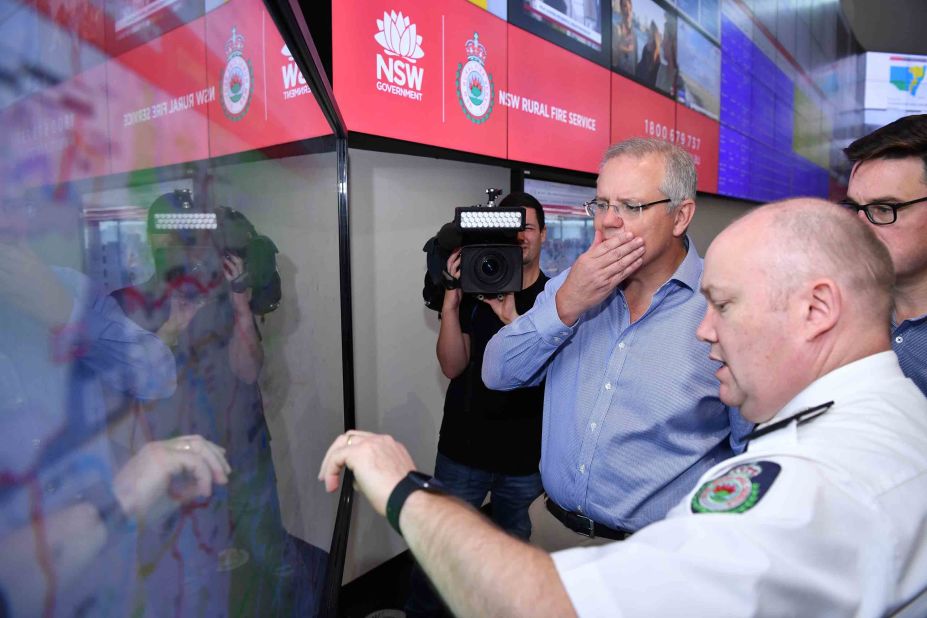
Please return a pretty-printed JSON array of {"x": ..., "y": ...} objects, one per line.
[{"x": 840, "y": 531}]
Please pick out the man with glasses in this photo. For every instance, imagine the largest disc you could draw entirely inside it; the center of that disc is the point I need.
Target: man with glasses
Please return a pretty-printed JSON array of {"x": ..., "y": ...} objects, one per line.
[
  {"x": 888, "y": 187},
  {"x": 632, "y": 416}
]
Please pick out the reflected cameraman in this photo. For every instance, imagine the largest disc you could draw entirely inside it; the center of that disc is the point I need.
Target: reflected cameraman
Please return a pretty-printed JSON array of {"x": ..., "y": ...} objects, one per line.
[
  {"x": 490, "y": 440},
  {"x": 196, "y": 267},
  {"x": 215, "y": 274}
]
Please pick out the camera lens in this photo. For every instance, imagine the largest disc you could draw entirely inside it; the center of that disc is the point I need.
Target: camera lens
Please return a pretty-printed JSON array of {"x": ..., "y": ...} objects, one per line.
[{"x": 490, "y": 266}]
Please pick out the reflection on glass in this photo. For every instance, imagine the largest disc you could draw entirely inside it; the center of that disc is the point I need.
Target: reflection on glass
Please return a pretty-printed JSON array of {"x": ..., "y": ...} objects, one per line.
[
  {"x": 148, "y": 385},
  {"x": 214, "y": 275}
]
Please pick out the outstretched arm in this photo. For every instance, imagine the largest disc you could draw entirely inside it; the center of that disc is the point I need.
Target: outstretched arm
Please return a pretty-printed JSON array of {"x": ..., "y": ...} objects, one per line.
[
  {"x": 518, "y": 354},
  {"x": 478, "y": 569}
]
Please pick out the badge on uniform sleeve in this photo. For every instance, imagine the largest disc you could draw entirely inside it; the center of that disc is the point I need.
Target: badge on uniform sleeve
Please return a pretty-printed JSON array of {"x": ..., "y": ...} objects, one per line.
[{"x": 738, "y": 490}]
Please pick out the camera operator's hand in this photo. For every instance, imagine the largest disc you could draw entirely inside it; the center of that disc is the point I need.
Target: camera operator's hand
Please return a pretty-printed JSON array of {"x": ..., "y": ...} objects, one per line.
[
  {"x": 597, "y": 272},
  {"x": 233, "y": 266},
  {"x": 246, "y": 356},
  {"x": 453, "y": 347},
  {"x": 452, "y": 297},
  {"x": 166, "y": 473},
  {"x": 504, "y": 308},
  {"x": 182, "y": 312}
]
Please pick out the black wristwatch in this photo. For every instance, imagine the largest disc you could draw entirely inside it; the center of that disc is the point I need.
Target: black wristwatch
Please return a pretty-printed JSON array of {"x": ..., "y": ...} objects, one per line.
[{"x": 413, "y": 481}]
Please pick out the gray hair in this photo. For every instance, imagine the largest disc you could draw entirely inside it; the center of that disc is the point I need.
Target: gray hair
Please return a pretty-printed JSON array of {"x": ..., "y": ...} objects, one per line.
[{"x": 679, "y": 178}]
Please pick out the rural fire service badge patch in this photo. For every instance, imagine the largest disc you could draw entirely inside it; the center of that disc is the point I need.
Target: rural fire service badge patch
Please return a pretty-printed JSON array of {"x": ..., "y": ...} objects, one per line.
[{"x": 736, "y": 491}]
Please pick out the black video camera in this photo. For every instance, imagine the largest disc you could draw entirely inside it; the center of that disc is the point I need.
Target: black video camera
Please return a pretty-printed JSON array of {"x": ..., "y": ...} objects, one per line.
[
  {"x": 491, "y": 255},
  {"x": 190, "y": 244}
]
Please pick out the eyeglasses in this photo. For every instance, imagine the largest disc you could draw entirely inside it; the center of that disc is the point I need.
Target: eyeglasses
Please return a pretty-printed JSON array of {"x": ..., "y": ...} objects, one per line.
[
  {"x": 624, "y": 208},
  {"x": 880, "y": 213}
]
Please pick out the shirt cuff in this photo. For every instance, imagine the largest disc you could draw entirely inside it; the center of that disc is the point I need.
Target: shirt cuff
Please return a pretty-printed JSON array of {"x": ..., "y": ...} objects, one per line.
[{"x": 549, "y": 326}]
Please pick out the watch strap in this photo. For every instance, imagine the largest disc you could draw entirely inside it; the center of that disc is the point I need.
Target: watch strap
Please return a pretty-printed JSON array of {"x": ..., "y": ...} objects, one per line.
[{"x": 410, "y": 483}]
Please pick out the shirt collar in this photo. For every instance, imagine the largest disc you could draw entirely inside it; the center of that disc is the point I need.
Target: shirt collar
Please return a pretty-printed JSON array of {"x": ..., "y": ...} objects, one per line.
[
  {"x": 916, "y": 320},
  {"x": 689, "y": 271},
  {"x": 834, "y": 386}
]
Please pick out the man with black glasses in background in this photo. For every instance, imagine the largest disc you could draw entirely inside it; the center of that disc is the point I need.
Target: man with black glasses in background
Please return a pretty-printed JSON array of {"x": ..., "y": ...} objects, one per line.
[{"x": 888, "y": 188}]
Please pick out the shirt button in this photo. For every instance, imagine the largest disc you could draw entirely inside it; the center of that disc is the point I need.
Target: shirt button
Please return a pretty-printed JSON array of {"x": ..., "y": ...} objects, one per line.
[
  {"x": 608, "y": 385},
  {"x": 899, "y": 339},
  {"x": 592, "y": 426},
  {"x": 557, "y": 339},
  {"x": 582, "y": 467},
  {"x": 621, "y": 345},
  {"x": 579, "y": 508}
]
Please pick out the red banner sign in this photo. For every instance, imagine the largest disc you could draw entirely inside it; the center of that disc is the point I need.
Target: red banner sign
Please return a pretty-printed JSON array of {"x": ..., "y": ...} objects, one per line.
[
  {"x": 223, "y": 83},
  {"x": 58, "y": 135},
  {"x": 699, "y": 135},
  {"x": 558, "y": 105},
  {"x": 157, "y": 101},
  {"x": 423, "y": 72},
  {"x": 638, "y": 111},
  {"x": 261, "y": 97}
]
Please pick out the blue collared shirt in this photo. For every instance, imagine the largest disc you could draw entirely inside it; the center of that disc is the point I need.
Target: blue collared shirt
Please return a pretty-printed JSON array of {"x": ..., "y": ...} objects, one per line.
[
  {"x": 632, "y": 417},
  {"x": 909, "y": 340}
]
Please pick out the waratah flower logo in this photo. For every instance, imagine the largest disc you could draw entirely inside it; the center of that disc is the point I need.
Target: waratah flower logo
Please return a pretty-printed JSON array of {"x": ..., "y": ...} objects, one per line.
[{"x": 398, "y": 38}]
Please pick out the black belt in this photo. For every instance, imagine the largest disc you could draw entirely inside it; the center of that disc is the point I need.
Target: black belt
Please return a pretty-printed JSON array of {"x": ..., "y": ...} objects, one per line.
[{"x": 583, "y": 525}]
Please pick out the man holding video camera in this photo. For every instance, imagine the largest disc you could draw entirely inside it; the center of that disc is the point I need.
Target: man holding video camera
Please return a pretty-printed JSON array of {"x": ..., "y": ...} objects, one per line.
[
  {"x": 632, "y": 416},
  {"x": 490, "y": 441}
]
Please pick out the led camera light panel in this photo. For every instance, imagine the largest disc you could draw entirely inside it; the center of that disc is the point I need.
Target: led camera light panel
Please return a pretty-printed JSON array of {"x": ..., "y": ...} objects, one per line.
[{"x": 490, "y": 218}]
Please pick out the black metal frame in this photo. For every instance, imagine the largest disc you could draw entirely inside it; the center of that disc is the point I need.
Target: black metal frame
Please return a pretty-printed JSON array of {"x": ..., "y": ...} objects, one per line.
[{"x": 290, "y": 21}]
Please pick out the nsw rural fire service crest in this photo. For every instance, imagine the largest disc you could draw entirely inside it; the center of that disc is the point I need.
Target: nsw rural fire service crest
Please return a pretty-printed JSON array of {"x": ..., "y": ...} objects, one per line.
[
  {"x": 475, "y": 90},
  {"x": 237, "y": 79}
]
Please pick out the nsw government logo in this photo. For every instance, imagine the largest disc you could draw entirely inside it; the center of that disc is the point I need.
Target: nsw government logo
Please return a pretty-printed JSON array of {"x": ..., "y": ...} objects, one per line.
[
  {"x": 294, "y": 84},
  {"x": 475, "y": 90},
  {"x": 397, "y": 73},
  {"x": 237, "y": 79}
]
